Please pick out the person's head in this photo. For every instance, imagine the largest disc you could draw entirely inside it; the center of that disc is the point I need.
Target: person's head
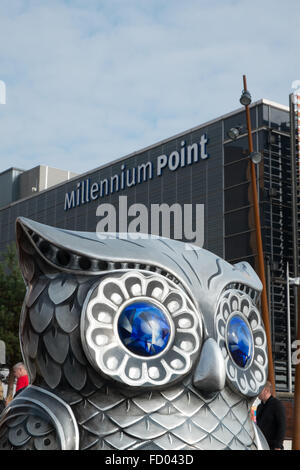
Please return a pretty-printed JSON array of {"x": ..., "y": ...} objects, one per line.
[
  {"x": 266, "y": 392},
  {"x": 19, "y": 370}
]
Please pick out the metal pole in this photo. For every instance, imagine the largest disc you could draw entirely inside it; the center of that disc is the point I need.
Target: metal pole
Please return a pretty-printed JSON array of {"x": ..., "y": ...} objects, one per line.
[
  {"x": 289, "y": 343},
  {"x": 296, "y": 414},
  {"x": 294, "y": 198},
  {"x": 295, "y": 165},
  {"x": 261, "y": 265}
]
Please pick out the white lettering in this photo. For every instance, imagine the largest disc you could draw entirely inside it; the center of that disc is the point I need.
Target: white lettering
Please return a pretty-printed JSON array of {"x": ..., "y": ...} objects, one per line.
[
  {"x": 203, "y": 142},
  {"x": 121, "y": 460},
  {"x": 162, "y": 161},
  {"x": 138, "y": 227},
  {"x": 123, "y": 214},
  {"x": 143, "y": 170},
  {"x": 69, "y": 200},
  {"x": 114, "y": 183},
  {"x": 133, "y": 181},
  {"x": 197, "y": 236},
  {"x": 182, "y": 154},
  {"x": 192, "y": 154},
  {"x": 296, "y": 354},
  {"x": 174, "y": 160},
  {"x": 94, "y": 191},
  {"x": 102, "y": 184},
  {"x": 109, "y": 221},
  {"x": 166, "y": 221},
  {"x": 162, "y": 213}
]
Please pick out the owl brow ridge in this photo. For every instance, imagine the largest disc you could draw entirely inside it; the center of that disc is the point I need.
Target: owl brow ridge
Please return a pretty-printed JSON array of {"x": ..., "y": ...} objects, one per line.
[
  {"x": 133, "y": 243},
  {"x": 166, "y": 244},
  {"x": 110, "y": 264},
  {"x": 83, "y": 237},
  {"x": 195, "y": 272},
  {"x": 185, "y": 274},
  {"x": 218, "y": 262}
]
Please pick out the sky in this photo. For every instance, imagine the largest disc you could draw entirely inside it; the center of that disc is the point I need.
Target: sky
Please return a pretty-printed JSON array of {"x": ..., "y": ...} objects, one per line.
[{"x": 91, "y": 81}]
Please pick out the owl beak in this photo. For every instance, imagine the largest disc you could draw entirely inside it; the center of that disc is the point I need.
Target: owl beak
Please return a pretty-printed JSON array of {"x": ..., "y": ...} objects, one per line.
[{"x": 210, "y": 374}]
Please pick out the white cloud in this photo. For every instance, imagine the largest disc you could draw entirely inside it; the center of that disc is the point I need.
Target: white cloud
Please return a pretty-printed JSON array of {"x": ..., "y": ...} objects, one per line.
[{"x": 89, "y": 81}]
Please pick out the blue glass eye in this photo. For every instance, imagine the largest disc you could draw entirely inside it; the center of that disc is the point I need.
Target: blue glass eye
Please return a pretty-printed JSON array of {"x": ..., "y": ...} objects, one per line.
[
  {"x": 144, "y": 329},
  {"x": 239, "y": 341}
]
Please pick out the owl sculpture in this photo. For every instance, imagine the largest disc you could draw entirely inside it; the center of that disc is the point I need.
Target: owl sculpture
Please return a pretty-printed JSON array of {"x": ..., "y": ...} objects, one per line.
[{"x": 147, "y": 344}]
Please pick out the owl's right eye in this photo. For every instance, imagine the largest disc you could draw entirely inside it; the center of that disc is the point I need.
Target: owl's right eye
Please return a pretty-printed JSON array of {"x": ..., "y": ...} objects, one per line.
[
  {"x": 144, "y": 328},
  {"x": 140, "y": 329}
]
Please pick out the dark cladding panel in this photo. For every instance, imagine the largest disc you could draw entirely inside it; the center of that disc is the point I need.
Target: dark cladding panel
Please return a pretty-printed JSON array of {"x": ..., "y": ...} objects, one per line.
[
  {"x": 238, "y": 247},
  {"x": 50, "y": 198},
  {"x": 235, "y": 151},
  {"x": 184, "y": 190},
  {"x": 237, "y": 196},
  {"x": 214, "y": 232},
  {"x": 237, "y": 200},
  {"x": 238, "y": 218}
]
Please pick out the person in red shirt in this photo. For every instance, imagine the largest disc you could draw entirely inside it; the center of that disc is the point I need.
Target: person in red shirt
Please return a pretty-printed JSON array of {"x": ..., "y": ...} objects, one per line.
[{"x": 21, "y": 375}]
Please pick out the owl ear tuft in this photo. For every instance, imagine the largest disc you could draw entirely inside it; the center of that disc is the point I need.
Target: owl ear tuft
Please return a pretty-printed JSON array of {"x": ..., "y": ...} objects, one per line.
[
  {"x": 26, "y": 253},
  {"x": 249, "y": 274},
  {"x": 33, "y": 242}
]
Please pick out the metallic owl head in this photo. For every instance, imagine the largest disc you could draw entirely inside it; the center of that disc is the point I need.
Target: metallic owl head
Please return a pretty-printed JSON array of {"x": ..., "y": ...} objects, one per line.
[{"x": 145, "y": 316}]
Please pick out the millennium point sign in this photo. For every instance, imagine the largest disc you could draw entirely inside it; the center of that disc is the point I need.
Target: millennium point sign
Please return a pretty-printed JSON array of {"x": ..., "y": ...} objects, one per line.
[{"x": 86, "y": 191}]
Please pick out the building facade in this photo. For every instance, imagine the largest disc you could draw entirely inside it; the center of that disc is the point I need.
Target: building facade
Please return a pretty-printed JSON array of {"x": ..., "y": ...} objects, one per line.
[{"x": 194, "y": 186}]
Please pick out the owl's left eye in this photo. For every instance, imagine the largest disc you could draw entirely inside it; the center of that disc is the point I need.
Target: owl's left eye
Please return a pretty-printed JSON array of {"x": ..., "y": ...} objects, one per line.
[
  {"x": 144, "y": 329},
  {"x": 241, "y": 338},
  {"x": 240, "y": 341}
]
